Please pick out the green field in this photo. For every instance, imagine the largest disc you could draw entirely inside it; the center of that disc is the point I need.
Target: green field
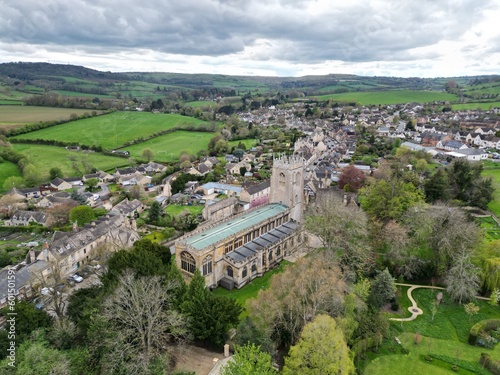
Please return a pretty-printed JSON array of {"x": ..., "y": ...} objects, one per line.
[
  {"x": 492, "y": 170},
  {"x": 446, "y": 335},
  {"x": 46, "y": 157},
  {"x": 7, "y": 169},
  {"x": 390, "y": 97},
  {"x": 249, "y": 143},
  {"x": 167, "y": 147},
  {"x": 201, "y": 103},
  {"x": 112, "y": 130},
  {"x": 15, "y": 115},
  {"x": 483, "y": 106}
]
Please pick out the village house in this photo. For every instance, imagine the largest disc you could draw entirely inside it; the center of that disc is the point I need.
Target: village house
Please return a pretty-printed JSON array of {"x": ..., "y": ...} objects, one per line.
[{"x": 25, "y": 218}]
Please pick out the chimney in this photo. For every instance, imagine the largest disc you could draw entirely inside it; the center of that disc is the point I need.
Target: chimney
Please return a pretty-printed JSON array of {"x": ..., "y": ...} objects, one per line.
[{"x": 75, "y": 227}]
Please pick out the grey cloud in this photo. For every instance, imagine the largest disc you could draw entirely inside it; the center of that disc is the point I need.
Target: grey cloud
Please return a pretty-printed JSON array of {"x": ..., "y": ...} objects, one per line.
[{"x": 364, "y": 31}]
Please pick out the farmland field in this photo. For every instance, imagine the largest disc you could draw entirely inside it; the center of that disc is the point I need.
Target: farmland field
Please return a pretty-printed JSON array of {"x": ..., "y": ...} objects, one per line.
[
  {"x": 46, "y": 157},
  {"x": 167, "y": 147},
  {"x": 483, "y": 106},
  {"x": 15, "y": 115},
  {"x": 201, "y": 103},
  {"x": 112, "y": 130},
  {"x": 7, "y": 169},
  {"x": 390, "y": 97}
]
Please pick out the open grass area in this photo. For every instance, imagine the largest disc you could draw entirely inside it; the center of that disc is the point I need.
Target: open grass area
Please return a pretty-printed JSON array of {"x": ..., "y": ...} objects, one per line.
[
  {"x": 492, "y": 169},
  {"x": 7, "y": 169},
  {"x": 390, "y": 97},
  {"x": 168, "y": 147},
  {"x": 201, "y": 103},
  {"x": 490, "y": 227},
  {"x": 176, "y": 209},
  {"x": 112, "y": 130},
  {"x": 483, "y": 106},
  {"x": 16, "y": 115},
  {"x": 249, "y": 143},
  {"x": 252, "y": 289},
  {"x": 446, "y": 335},
  {"x": 46, "y": 157}
]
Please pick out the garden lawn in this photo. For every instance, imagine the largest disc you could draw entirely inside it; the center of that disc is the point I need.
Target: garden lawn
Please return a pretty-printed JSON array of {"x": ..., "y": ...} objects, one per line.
[
  {"x": 390, "y": 97},
  {"x": 7, "y": 169},
  {"x": 446, "y": 335},
  {"x": 252, "y": 289},
  {"x": 249, "y": 143},
  {"x": 176, "y": 209},
  {"x": 167, "y": 148},
  {"x": 492, "y": 169},
  {"x": 45, "y": 157},
  {"x": 113, "y": 130}
]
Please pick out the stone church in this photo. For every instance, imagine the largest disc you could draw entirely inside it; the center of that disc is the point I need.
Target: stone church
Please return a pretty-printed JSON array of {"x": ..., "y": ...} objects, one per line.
[{"x": 235, "y": 250}]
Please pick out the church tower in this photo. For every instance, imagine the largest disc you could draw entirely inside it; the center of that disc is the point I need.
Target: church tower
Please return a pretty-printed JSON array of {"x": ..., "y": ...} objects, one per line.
[{"x": 287, "y": 184}]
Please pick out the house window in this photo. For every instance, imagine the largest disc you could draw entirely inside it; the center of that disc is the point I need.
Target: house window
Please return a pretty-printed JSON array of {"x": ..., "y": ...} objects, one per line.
[
  {"x": 244, "y": 273},
  {"x": 187, "y": 262},
  {"x": 207, "y": 265},
  {"x": 230, "y": 271},
  {"x": 248, "y": 237}
]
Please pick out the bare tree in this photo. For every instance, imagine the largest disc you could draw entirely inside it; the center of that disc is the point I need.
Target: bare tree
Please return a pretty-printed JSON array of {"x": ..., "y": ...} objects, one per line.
[
  {"x": 297, "y": 295},
  {"x": 140, "y": 310},
  {"x": 463, "y": 279},
  {"x": 342, "y": 229}
]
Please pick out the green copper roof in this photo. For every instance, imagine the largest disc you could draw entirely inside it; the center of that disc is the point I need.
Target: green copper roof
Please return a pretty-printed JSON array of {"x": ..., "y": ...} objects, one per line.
[{"x": 219, "y": 232}]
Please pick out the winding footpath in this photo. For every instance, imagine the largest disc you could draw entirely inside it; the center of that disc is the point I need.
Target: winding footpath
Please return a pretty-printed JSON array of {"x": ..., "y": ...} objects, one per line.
[{"x": 414, "y": 309}]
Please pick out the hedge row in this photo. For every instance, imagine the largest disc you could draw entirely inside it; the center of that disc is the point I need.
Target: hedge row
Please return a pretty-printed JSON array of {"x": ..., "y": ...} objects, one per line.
[{"x": 476, "y": 368}]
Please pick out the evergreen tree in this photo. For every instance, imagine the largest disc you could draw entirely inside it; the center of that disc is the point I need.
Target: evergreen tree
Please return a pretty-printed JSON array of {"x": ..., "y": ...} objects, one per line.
[{"x": 383, "y": 289}]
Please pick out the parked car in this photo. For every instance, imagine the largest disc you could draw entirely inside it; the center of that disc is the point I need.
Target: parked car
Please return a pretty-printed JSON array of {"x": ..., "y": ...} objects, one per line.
[{"x": 77, "y": 278}]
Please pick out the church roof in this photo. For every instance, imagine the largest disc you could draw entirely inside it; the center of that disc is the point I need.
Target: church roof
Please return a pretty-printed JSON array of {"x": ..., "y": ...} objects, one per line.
[
  {"x": 219, "y": 232},
  {"x": 271, "y": 237}
]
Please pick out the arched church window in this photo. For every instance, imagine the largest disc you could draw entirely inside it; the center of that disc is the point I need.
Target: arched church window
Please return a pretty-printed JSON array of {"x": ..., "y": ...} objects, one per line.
[
  {"x": 254, "y": 268},
  {"x": 245, "y": 272},
  {"x": 270, "y": 256},
  {"x": 282, "y": 179},
  {"x": 278, "y": 251},
  {"x": 230, "y": 271},
  {"x": 207, "y": 265},
  {"x": 187, "y": 262}
]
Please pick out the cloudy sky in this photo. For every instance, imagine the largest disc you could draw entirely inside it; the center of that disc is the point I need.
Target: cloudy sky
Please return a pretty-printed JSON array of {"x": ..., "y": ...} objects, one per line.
[{"x": 425, "y": 38}]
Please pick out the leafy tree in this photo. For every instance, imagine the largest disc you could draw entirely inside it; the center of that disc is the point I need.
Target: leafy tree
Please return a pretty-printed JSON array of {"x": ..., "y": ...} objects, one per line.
[
  {"x": 249, "y": 360},
  {"x": 155, "y": 212},
  {"x": 32, "y": 175},
  {"x": 351, "y": 177},
  {"x": 243, "y": 170},
  {"x": 385, "y": 200},
  {"x": 248, "y": 332},
  {"x": 82, "y": 304},
  {"x": 321, "y": 349},
  {"x": 383, "y": 289},
  {"x": 471, "y": 309},
  {"x": 210, "y": 316},
  {"x": 92, "y": 183},
  {"x": 186, "y": 221},
  {"x": 147, "y": 154},
  {"x": 491, "y": 273},
  {"x": 436, "y": 187},
  {"x": 28, "y": 319},
  {"x": 55, "y": 172},
  {"x": 82, "y": 215}
]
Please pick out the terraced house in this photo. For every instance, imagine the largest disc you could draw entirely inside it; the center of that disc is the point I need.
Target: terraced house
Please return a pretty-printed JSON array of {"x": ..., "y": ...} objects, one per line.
[{"x": 234, "y": 251}]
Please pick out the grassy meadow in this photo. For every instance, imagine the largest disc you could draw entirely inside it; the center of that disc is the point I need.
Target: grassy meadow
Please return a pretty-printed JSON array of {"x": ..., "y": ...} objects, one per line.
[
  {"x": 16, "y": 115},
  {"x": 492, "y": 169},
  {"x": 7, "y": 169},
  {"x": 112, "y": 130},
  {"x": 45, "y": 157},
  {"x": 390, "y": 97},
  {"x": 168, "y": 147}
]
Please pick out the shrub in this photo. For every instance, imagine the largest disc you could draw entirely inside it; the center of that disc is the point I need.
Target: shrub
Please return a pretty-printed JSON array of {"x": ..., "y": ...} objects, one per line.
[
  {"x": 492, "y": 365},
  {"x": 482, "y": 326}
]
